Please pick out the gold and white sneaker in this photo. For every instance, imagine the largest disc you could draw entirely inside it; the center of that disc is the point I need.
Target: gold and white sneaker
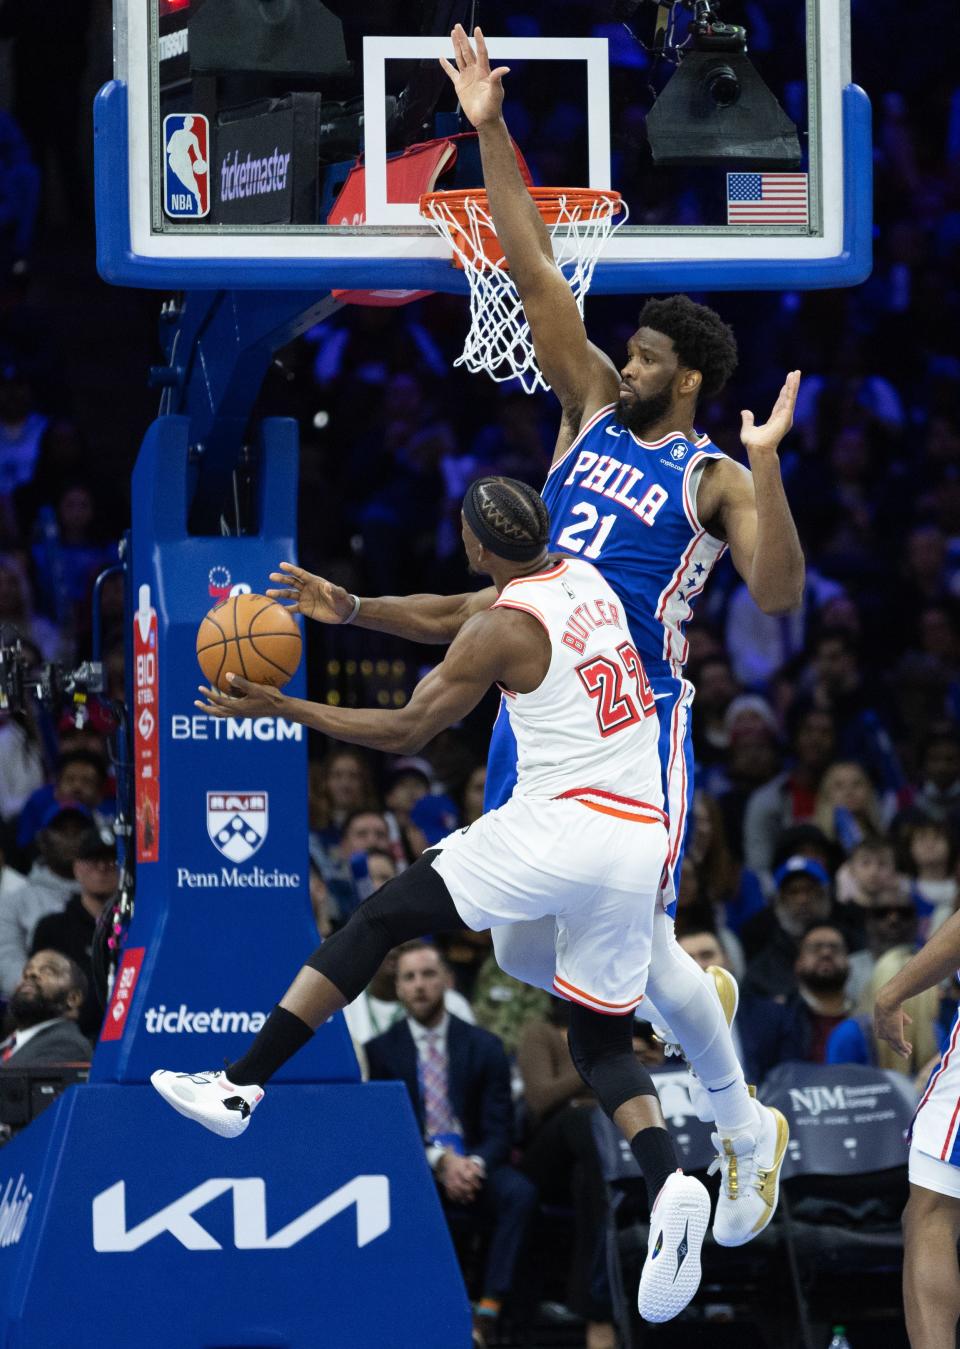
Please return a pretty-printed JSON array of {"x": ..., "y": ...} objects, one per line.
[
  {"x": 728, "y": 991},
  {"x": 749, "y": 1166}
]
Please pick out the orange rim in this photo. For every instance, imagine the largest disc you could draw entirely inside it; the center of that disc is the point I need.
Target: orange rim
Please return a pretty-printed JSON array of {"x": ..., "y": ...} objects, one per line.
[{"x": 550, "y": 202}]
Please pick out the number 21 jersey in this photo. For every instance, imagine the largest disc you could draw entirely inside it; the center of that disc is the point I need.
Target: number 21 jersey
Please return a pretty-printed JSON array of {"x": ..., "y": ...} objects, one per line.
[{"x": 629, "y": 507}]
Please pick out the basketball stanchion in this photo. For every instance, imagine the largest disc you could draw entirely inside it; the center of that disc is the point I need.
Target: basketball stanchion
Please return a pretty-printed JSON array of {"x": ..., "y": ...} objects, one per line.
[{"x": 580, "y": 221}]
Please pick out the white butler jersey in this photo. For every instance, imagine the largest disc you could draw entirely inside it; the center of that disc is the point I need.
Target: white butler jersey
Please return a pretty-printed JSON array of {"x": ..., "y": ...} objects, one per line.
[
  {"x": 582, "y": 841},
  {"x": 591, "y": 726}
]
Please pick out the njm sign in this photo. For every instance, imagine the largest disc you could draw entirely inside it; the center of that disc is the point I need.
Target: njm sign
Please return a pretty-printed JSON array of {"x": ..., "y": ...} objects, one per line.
[{"x": 369, "y": 1194}]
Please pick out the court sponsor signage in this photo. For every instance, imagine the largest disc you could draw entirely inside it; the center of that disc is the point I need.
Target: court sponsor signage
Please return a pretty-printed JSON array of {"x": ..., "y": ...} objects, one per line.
[
  {"x": 14, "y": 1207},
  {"x": 146, "y": 728},
  {"x": 237, "y": 823},
  {"x": 232, "y": 878},
  {"x": 202, "y": 726},
  {"x": 115, "y": 1021},
  {"x": 368, "y": 1195},
  {"x": 253, "y": 181},
  {"x": 843, "y": 1104},
  {"x": 182, "y": 1021}
]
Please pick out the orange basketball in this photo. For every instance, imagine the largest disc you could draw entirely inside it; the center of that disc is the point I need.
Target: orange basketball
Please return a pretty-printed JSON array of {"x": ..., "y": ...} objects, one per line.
[{"x": 251, "y": 636}]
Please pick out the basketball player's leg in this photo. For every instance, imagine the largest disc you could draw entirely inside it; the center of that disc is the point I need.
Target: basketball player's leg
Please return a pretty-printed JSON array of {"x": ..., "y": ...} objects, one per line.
[
  {"x": 603, "y": 948},
  {"x": 413, "y": 904},
  {"x": 931, "y": 1275},
  {"x": 687, "y": 999}
]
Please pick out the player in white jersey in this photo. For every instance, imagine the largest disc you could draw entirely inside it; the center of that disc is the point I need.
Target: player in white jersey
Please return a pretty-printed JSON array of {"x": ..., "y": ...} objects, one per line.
[
  {"x": 931, "y": 1220},
  {"x": 583, "y": 839}
]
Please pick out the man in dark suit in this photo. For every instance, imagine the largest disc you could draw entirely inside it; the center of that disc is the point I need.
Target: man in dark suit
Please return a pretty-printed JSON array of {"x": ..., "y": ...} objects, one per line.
[
  {"x": 43, "y": 1012},
  {"x": 459, "y": 1083}
]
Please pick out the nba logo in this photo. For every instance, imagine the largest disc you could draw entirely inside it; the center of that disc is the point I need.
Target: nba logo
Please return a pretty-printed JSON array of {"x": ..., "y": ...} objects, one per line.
[{"x": 186, "y": 171}]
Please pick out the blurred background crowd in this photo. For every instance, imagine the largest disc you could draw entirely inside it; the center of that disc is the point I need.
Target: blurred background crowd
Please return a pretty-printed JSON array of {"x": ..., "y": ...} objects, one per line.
[{"x": 826, "y": 831}]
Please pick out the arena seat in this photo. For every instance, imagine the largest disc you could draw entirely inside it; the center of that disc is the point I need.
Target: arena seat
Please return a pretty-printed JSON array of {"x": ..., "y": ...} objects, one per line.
[{"x": 844, "y": 1188}]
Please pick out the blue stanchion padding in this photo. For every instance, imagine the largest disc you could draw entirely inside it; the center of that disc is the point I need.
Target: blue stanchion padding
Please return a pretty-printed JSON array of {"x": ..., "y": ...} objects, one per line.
[
  {"x": 122, "y": 1224},
  {"x": 222, "y": 920}
]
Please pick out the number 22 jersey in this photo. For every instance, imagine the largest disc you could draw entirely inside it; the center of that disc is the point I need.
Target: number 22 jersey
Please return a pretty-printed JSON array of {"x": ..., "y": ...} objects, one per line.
[{"x": 591, "y": 724}]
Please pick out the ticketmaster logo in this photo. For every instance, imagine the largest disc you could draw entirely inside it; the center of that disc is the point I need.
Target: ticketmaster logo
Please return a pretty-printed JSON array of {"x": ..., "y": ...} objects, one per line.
[
  {"x": 232, "y": 878},
  {"x": 181, "y": 1021}
]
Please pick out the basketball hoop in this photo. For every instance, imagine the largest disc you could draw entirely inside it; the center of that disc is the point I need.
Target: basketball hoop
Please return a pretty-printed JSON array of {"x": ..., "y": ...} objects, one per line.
[{"x": 580, "y": 221}]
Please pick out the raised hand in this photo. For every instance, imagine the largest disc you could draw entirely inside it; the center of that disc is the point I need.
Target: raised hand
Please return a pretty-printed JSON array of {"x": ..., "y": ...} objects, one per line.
[
  {"x": 768, "y": 436},
  {"x": 310, "y": 595},
  {"x": 479, "y": 89}
]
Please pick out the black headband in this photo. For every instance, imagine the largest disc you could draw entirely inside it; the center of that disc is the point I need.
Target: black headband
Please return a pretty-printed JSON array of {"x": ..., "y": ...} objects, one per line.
[{"x": 513, "y": 550}]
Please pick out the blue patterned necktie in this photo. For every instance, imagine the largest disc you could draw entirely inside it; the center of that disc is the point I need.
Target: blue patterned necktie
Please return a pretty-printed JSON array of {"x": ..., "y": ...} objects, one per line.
[{"x": 438, "y": 1116}]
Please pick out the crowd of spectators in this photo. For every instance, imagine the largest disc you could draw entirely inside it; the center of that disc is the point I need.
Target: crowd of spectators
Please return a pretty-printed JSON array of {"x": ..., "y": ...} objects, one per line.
[{"x": 826, "y": 830}]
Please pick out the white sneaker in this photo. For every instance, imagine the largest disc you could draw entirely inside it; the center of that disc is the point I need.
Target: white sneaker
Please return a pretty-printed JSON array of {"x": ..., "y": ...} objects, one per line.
[
  {"x": 749, "y": 1165},
  {"x": 209, "y": 1098},
  {"x": 671, "y": 1271}
]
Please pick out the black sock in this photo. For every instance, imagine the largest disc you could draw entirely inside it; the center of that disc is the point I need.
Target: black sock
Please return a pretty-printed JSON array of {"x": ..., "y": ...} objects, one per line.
[
  {"x": 282, "y": 1034},
  {"x": 656, "y": 1156}
]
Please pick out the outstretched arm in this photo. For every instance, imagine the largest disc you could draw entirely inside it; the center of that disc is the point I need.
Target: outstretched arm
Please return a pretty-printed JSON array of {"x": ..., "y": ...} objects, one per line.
[
  {"x": 582, "y": 377},
  {"x": 492, "y": 646},
  {"x": 935, "y": 961},
  {"x": 418, "y": 618},
  {"x": 750, "y": 510}
]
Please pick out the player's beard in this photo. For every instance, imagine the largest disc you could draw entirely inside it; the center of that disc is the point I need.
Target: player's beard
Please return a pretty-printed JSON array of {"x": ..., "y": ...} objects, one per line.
[{"x": 639, "y": 414}]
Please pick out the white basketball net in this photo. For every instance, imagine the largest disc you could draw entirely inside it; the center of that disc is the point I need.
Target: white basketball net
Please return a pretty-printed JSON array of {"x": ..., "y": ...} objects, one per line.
[{"x": 499, "y": 339}]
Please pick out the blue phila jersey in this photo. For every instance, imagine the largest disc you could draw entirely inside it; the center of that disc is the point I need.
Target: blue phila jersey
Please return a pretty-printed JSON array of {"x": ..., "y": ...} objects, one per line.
[{"x": 629, "y": 507}]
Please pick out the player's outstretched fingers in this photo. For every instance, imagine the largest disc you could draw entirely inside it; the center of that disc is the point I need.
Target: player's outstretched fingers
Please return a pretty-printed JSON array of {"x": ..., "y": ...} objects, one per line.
[{"x": 465, "y": 52}]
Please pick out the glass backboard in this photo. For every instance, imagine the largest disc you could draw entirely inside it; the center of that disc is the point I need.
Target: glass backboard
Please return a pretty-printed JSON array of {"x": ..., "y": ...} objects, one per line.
[{"x": 285, "y": 143}]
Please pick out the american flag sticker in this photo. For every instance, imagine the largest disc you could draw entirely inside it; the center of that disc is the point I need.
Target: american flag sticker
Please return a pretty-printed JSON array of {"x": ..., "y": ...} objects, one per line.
[{"x": 767, "y": 199}]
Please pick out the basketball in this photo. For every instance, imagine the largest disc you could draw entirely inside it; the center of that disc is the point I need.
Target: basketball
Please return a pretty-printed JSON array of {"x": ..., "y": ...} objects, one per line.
[{"x": 251, "y": 636}]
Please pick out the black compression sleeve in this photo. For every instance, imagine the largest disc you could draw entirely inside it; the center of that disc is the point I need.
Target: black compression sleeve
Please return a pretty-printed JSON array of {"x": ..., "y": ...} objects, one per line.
[{"x": 416, "y": 903}]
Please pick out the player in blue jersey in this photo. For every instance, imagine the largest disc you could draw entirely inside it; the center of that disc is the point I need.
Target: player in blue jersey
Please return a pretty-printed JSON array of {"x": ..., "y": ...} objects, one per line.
[{"x": 633, "y": 487}]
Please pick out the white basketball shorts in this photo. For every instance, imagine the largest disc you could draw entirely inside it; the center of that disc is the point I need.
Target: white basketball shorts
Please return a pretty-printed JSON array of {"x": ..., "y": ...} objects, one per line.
[
  {"x": 594, "y": 862},
  {"x": 935, "y": 1130}
]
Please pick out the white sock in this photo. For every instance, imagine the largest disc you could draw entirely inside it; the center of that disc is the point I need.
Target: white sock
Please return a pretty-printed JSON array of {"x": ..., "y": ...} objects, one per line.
[{"x": 681, "y": 991}]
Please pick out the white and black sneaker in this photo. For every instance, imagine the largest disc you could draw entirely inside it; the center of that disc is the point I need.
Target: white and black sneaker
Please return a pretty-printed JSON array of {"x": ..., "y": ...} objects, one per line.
[
  {"x": 678, "y": 1224},
  {"x": 209, "y": 1098}
]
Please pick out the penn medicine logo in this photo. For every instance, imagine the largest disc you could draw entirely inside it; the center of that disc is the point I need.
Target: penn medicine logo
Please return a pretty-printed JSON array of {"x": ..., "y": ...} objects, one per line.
[
  {"x": 186, "y": 166},
  {"x": 237, "y": 823}
]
